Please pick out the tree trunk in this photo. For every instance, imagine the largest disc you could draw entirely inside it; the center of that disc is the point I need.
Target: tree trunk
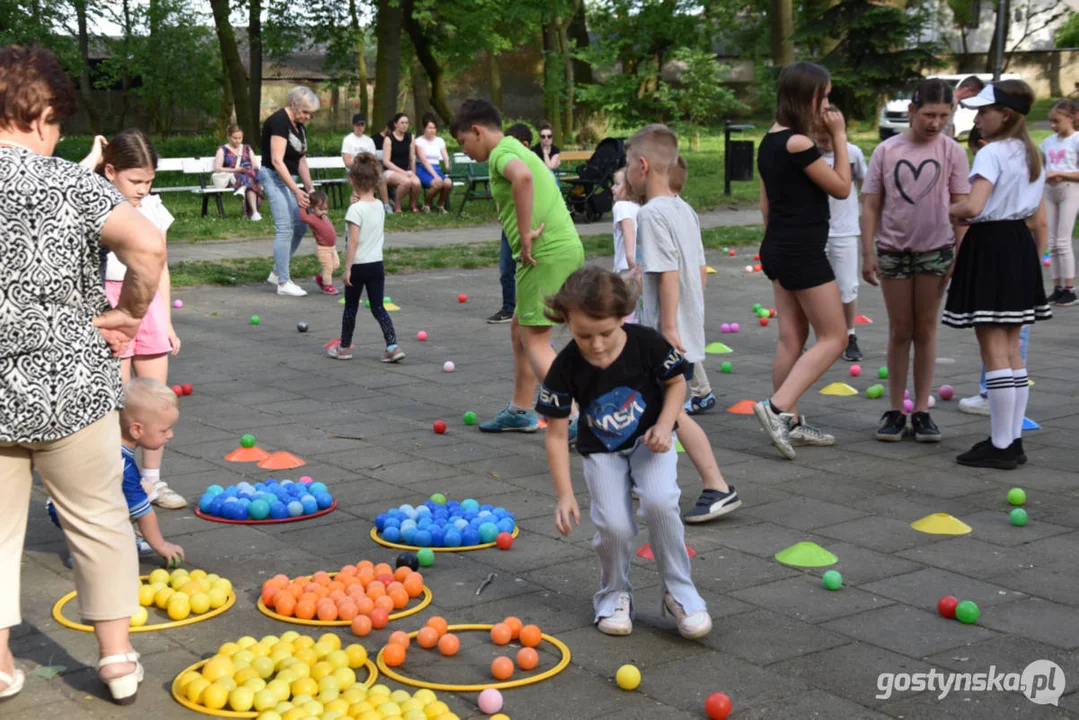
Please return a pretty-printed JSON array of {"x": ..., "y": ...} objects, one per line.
[
  {"x": 361, "y": 57},
  {"x": 254, "y": 48},
  {"x": 234, "y": 69},
  {"x": 567, "y": 99},
  {"x": 578, "y": 32},
  {"x": 831, "y": 42},
  {"x": 552, "y": 79},
  {"x": 494, "y": 79},
  {"x": 84, "y": 69},
  {"x": 782, "y": 28},
  {"x": 125, "y": 76},
  {"x": 423, "y": 45},
  {"x": 420, "y": 96},
  {"x": 227, "y": 105},
  {"x": 387, "y": 62},
  {"x": 1004, "y": 6}
]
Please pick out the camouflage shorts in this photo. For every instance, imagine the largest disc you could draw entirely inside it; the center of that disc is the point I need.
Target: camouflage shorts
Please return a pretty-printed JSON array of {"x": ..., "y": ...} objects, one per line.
[{"x": 904, "y": 264}]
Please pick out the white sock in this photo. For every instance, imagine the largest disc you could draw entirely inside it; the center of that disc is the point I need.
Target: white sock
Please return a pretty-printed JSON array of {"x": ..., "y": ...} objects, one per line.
[
  {"x": 850, "y": 331},
  {"x": 151, "y": 477},
  {"x": 1001, "y": 387},
  {"x": 1022, "y": 392}
]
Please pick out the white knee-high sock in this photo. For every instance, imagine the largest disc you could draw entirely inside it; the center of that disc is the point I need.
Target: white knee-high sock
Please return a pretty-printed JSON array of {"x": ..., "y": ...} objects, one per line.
[
  {"x": 1022, "y": 392},
  {"x": 1001, "y": 389}
]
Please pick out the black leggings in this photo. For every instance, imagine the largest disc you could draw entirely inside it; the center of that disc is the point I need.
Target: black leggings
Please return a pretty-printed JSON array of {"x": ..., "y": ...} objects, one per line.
[{"x": 373, "y": 277}]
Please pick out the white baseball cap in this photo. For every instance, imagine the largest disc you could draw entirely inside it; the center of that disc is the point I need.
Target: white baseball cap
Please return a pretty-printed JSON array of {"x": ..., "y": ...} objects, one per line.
[{"x": 992, "y": 95}]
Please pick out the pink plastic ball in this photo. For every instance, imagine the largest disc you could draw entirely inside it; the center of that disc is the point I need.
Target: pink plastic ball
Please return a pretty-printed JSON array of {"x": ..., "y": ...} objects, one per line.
[
  {"x": 1046, "y": 263},
  {"x": 177, "y": 304},
  {"x": 448, "y": 366},
  {"x": 906, "y": 394},
  {"x": 908, "y": 406},
  {"x": 947, "y": 392},
  {"x": 734, "y": 327},
  {"x": 421, "y": 335},
  {"x": 932, "y": 401},
  {"x": 306, "y": 479},
  {"x": 725, "y": 327},
  {"x": 855, "y": 370},
  {"x": 749, "y": 268},
  {"x": 490, "y": 701}
]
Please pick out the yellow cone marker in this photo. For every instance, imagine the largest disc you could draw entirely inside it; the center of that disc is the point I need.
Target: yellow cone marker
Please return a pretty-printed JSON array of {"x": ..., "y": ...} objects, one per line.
[
  {"x": 838, "y": 388},
  {"x": 941, "y": 524}
]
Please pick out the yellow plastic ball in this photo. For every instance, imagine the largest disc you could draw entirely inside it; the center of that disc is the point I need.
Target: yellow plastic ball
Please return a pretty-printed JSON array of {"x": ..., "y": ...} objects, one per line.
[
  {"x": 246, "y": 641},
  {"x": 192, "y": 588},
  {"x": 306, "y": 655},
  {"x": 303, "y": 641},
  {"x": 289, "y": 636},
  {"x": 228, "y": 683},
  {"x": 146, "y": 595},
  {"x": 215, "y": 696},
  {"x": 241, "y": 699},
  {"x": 436, "y": 709},
  {"x": 411, "y": 704},
  {"x": 357, "y": 709},
  {"x": 369, "y": 715},
  {"x": 313, "y": 708},
  {"x": 223, "y": 585},
  {"x": 256, "y": 684},
  {"x": 287, "y": 676},
  {"x": 400, "y": 696},
  {"x": 217, "y": 597},
  {"x": 414, "y": 715},
  {"x": 302, "y": 670},
  {"x": 321, "y": 669},
  {"x": 216, "y": 667},
  {"x": 228, "y": 649},
  {"x": 346, "y": 677},
  {"x": 628, "y": 677},
  {"x": 161, "y": 598},
  {"x": 159, "y": 576},
  {"x": 295, "y": 714},
  {"x": 305, "y": 686},
  {"x": 200, "y": 603},
  {"x": 179, "y": 606},
  {"x": 378, "y": 689},
  {"x": 193, "y": 690},
  {"x": 499, "y": 716},
  {"x": 389, "y": 709},
  {"x": 279, "y": 688},
  {"x": 211, "y": 579},
  {"x": 331, "y": 639},
  {"x": 322, "y": 649},
  {"x": 425, "y": 696},
  {"x": 269, "y": 715},
  {"x": 197, "y": 574},
  {"x": 328, "y": 696},
  {"x": 140, "y": 617}
]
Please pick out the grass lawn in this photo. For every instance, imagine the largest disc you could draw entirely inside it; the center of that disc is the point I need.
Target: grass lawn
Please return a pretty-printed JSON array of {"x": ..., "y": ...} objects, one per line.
[{"x": 407, "y": 260}]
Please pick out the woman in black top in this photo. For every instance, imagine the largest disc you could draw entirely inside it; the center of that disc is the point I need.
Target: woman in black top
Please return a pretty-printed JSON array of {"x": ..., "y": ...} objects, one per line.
[
  {"x": 795, "y": 184},
  {"x": 399, "y": 162},
  {"x": 284, "y": 156}
]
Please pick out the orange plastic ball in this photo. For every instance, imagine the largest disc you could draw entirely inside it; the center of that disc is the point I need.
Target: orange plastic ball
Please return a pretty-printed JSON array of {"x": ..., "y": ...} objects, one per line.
[
  {"x": 399, "y": 598},
  {"x": 322, "y": 578},
  {"x": 531, "y": 636},
  {"x": 361, "y": 625},
  {"x": 364, "y": 605},
  {"x": 527, "y": 658},
  {"x": 438, "y": 623},
  {"x": 427, "y": 638},
  {"x": 379, "y": 618},
  {"x": 365, "y": 564},
  {"x": 327, "y": 611},
  {"x": 335, "y": 585},
  {"x": 383, "y": 569},
  {"x": 269, "y": 593},
  {"x": 401, "y": 573},
  {"x": 515, "y": 626},
  {"x": 305, "y": 609},
  {"x": 346, "y": 610},
  {"x": 284, "y": 603},
  {"x": 346, "y": 570},
  {"x": 448, "y": 644},
  {"x": 400, "y": 637},
  {"x": 413, "y": 585},
  {"x": 502, "y": 668},
  {"x": 384, "y": 602},
  {"x": 393, "y": 655},
  {"x": 501, "y": 634}
]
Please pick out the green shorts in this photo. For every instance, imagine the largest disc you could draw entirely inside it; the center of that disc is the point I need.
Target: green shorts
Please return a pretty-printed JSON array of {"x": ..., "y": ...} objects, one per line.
[
  {"x": 536, "y": 283},
  {"x": 905, "y": 264}
]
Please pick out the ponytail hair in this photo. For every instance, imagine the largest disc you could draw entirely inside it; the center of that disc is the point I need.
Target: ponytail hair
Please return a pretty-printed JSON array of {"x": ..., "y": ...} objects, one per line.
[
  {"x": 1067, "y": 106},
  {"x": 1015, "y": 125},
  {"x": 365, "y": 173},
  {"x": 128, "y": 150}
]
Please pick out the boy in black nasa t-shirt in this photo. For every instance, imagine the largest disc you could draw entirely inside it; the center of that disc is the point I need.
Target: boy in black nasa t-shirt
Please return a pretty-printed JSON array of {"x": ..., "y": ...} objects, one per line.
[{"x": 628, "y": 382}]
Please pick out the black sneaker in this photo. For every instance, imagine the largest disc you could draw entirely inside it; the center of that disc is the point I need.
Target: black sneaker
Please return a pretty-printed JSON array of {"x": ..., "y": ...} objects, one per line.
[
  {"x": 986, "y": 455},
  {"x": 502, "y": 316},
  {"x": 712, "y": 504},
  {"x": 893, "y": 425},
  {"x": 1067, "y": 297},
  {"x": 852, "y": 353},
  {"x": 1017, "y": 448},
  {"x": 925, "y": 430},
  {"x": 1057, "y": 291}
]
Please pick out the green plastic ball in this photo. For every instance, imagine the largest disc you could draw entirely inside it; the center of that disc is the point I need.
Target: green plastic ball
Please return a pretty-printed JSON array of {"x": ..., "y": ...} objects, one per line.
[
  {"x": 470, "y": 418},
  {"x": 726, "y": 367},
  {"x": 247, "y": 441},
  {"x": 882, "y": 373},
  {"x": 426, "y": 556},
  {"x": 367, "y": 303},
  {"x": 756, "y": 308},
  {"x": 255, "y": 320},
  {"x": 1018, "y": 516},
  {"x": 763, "y": 313},
  {"x": 438, "y": 499},
  {"x": 1017, "y": 496},
  {"x": 832, "y": 580},
  {"x": 874, "y": 392},
  {"x": 726, "y": 250},
  {"x": 387, "y": 299},
  {"x": 967, "y": 612}
]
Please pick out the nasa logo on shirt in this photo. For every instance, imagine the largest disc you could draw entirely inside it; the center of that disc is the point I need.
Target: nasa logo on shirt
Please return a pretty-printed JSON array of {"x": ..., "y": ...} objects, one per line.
[{"x": 615, "y": 416}]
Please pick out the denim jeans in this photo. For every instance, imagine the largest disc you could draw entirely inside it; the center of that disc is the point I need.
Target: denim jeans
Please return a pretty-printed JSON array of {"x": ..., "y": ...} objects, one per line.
[
  {"x": 1024, "y": 338},
  {"x": 507, "y": 275},
  {"x": 289, "y": 229}
]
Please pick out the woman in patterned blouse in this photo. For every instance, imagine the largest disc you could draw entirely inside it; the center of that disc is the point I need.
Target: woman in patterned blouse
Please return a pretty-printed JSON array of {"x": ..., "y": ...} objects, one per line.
[{"x": 59, "y": 376}]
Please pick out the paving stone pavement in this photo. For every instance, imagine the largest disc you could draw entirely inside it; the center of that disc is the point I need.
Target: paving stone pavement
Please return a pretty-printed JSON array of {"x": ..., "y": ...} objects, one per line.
[{"x": 782, "y": 647}]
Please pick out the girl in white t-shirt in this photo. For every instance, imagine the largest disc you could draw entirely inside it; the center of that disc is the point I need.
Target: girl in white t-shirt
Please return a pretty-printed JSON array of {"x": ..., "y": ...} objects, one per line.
[
  {"x": 1062, "y": 197},
  {"x": 431, "y": 157},
  {"x": 626, "y": 205},
  {"x": 129, "y": 162},
  {"x": 997, "y": 281}
]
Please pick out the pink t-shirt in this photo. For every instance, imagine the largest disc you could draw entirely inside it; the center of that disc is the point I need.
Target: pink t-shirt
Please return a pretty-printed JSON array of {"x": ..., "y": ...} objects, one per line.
[{"x": 916, "y": 182}]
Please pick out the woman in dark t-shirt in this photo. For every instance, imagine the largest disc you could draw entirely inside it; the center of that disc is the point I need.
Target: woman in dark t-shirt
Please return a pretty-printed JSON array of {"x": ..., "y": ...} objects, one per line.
[
  {"x": 399, "y": 162},
  {"x": 284, "y": 156}
]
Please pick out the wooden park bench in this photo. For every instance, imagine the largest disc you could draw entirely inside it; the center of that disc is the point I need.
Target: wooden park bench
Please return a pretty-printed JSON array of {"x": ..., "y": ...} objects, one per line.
[{"x": 203, "y": 168}]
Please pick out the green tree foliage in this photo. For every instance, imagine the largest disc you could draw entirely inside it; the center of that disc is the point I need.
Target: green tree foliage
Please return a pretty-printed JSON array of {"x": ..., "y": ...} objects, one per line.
[
  {"x": 1068, "y": 34},
  {"x": 37, "y": 22},
  {"x": 700, "y": 95},
  {"x": 875, "y": 50}
]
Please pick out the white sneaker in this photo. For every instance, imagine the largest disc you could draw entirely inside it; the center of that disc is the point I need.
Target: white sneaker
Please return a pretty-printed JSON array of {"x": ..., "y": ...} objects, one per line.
[
  {"x": 291, "y": 288},
  {"x": 255, "y": 217},
  {"x": 618, "y": 622},
  {"x": 777, "y": 425},
  {"x": 272, "y": 278},
  {"x": 691, "y": 627},
  {"x": 807, "y": 434},
  {"x": 976, "y": 405},
  {"x": 167, "y": 497}
]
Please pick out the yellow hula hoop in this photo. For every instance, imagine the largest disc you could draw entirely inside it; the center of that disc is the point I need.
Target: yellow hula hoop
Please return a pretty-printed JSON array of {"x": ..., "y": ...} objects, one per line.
[
  {"x": 344, "y": 623},
  {"x": 58, "y": 615},
  {"x": 463, "y": 548},
  {"x": 503, "y": 685},
  {"x": 178, "y": 696}
]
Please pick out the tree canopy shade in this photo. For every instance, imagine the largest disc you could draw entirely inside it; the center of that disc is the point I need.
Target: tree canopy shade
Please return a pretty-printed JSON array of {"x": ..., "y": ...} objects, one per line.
[{"x": 1068, "y": 35}]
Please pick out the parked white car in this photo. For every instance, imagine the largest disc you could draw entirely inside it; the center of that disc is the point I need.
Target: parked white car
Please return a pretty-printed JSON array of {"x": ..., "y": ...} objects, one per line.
[{"x": 894, "y": 119}]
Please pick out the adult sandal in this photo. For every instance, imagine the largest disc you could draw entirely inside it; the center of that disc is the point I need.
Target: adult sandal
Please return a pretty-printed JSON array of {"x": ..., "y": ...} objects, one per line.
[
  {"x": 14, "y": 683},
  {"x": 124, "y": 688}
]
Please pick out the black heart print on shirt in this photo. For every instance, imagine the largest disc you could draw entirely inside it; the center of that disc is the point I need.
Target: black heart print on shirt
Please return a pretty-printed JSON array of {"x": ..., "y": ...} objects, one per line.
[{"x": 918, "y": 186}]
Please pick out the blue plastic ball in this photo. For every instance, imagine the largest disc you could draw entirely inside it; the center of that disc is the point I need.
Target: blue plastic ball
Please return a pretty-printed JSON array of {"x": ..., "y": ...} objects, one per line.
[
  {"x": 278, "y": 510},
  {"x": 296, "y": 490},
  {"x": 469, "y": 536},
  {"x": 324, "y": 500},
  {"x": 394, "y": 513},
  {"x": 259, "y": 510},
  {"x": 391, "y": 534},
  {"x": 205, "y": 502},
  {"x": 380, "y": 521},
  {"x": 460, "y": 524},
  {"x": 423, "y": 523},
  {"x": 408, "y": 523},
  {"x": 438, "y": 537},
  {"x": 452, "y": 538},
  {"x": 231, "y": 491},
  {"x": 421, "y": 538},
  {"x": 295, "y": 508},
  {"x": 215, "y": 489},
  {"x": 286, "y": 482},
  {"x": 486, "y": 508},
  {"x": 318, "y": 487},
  {"x": 485, "y": 514},
  {"x": 488, "y": 532},
  {"x": 310, "y": 505},
  {"x": 260, "y": 487},
  {"x": 505, "y": 525},
  {"x": 216, "y": 506},
  {"x": 241, "y": 512},
  {"x": 392, "y": 522},
  {"x": 470, "y": 504},
  {"x": 409, "y": 535}
]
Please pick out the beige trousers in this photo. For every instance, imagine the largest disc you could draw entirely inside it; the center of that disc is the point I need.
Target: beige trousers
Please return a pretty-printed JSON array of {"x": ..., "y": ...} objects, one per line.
[
  {"x": 330, "y": 261},
  {"x": 83, "y": 474},
  {"x": 1061, "y": 207}
]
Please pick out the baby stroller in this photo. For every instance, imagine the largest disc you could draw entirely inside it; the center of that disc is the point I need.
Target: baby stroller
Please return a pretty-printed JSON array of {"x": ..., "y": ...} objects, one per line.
[{"x": 589, "y": 195}]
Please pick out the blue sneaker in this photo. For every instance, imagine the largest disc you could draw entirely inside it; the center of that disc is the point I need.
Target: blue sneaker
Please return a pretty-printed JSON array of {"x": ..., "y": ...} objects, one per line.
[
  {"x": 510, "y": 421},
  {"x": 144, "y": 547},
  {"x": 712, "y": 504},
  {"x": 700, "y": 404}
]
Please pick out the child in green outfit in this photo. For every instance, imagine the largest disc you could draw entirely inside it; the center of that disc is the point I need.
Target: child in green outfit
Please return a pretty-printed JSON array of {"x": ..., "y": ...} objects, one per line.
[{"x": 543, "y": 239}]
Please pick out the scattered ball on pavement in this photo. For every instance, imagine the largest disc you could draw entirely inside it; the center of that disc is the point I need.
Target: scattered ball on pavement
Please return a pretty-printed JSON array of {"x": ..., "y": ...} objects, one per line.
[
  {"x": 882, "y": 372},
  {"x": 726, "y": 367},
  {"x": 247, "y": 441},
  {"x": 504, "y": 540},
  {"x": 946, "y": 606},
  {"x": 440, "y": 426},
  {"x": 177, "y": 304},
  {"x": 874, "y": 392},
  {"x": 1018, "y": 516},
  {"x": 255, "y": 319},
  {"x": 832, "y": 580},
  {"x": 734, "y": 327},
  {"x": 301, "y": 326},
  {"x": 908, "y": 406},
  {"x": 178, "y": 390},
  {"x": 717, "y": 706},
  {"x": 749, "y": 268},
  {"x": 725, "y": 327},
  {"x": 421, "y": 335},
  {"x": 426, "y": 557},
  {"x": 1017, "y": 496},
  {"x": 187, "y": 388},
  {"x": 947, "y": 392},
  {"x": 462, "y": 298},
  {"x": 628, "y": 677},
  {"x": 967, "y": 612},
  {"x": 855, "y": 370},
  {"x": 490, "y": 701},
  {"x": 764, "y": 322},
  {"x": 448, "y": 366},
  {"x": 470, "y": 418}
]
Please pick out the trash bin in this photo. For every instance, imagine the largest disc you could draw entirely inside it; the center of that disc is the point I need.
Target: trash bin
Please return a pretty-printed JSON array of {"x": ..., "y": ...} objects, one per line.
[{"x": 740, "y": 160}]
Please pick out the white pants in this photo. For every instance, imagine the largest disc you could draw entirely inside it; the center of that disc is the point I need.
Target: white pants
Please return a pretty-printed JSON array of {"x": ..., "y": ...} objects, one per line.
[
  {"x": 609, "y": 477},
  {"x": 1061, "y": 206},
  {"x": 843, "y": 256}
]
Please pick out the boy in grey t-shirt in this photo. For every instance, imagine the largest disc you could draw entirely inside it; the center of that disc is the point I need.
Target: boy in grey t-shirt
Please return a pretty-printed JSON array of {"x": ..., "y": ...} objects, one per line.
[{"x": 673, "y": 266}]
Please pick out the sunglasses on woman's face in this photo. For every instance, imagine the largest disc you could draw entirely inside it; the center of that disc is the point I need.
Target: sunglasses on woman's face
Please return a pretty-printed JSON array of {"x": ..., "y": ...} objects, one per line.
[{"x": 546, "y": 137}]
